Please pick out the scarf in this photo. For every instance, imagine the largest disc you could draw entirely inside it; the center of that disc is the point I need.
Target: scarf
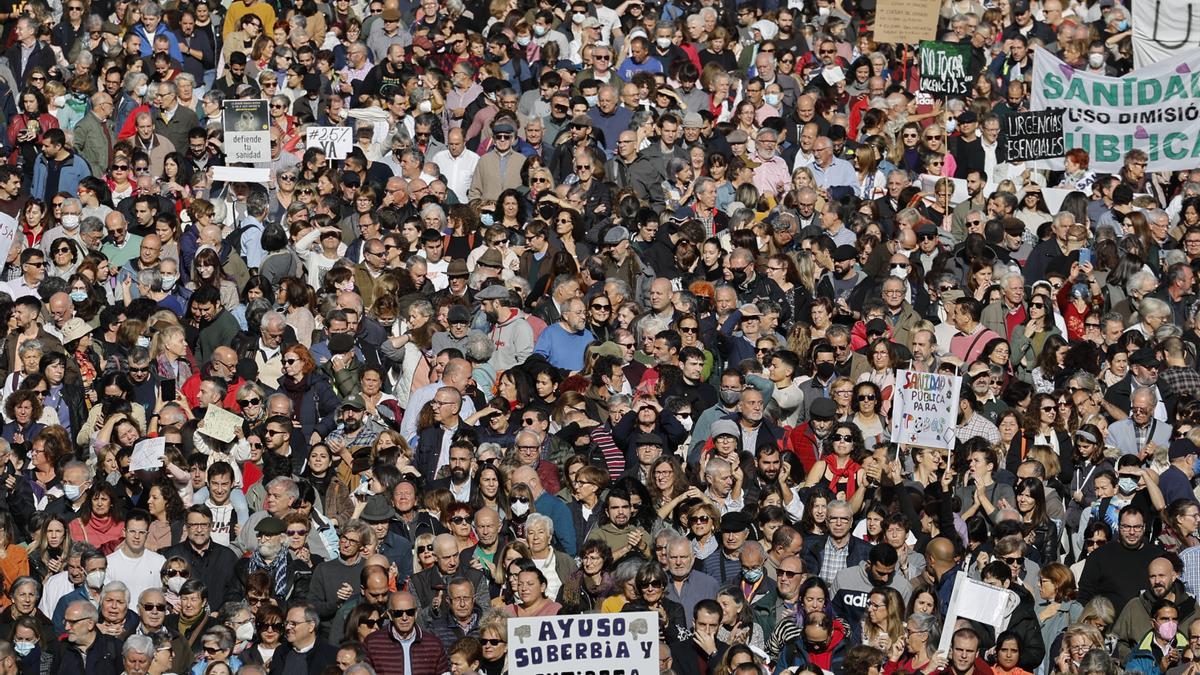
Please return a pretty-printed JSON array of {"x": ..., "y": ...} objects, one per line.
[
  {"x": 849, "y": 473},
  {"x": 295, "y": 390},
  {"x": 281, "y": 583}
]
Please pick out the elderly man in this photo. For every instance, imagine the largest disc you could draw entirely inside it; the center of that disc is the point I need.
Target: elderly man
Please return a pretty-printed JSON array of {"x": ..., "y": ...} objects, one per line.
[
  {"x": 94, "y": 134},
  {"x": 304, "y": 651},
  {"x": 400, "y": 646},
  {"x": 457, "y": 163},
  {"x": 831, "y": 172},
  {"x": 827, "y": 555},
  {"x": 335, "y": 581},
  {"x": 771, "y": 176},
  {"x": 430, "y": 585},
  {"x": 152, "y": 610},
  {"x": 210, "y": 562},
  {"x": 1140, "y": 433},
  {"x": 149, "y": 141},
  {"x": 687, "y": 585},
  {"x": 86, "y": 649},
  {"x": 564, "y": 343}
]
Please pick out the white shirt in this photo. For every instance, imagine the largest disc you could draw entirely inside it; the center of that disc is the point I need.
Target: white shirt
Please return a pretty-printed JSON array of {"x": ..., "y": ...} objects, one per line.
[
  {"x": 138, "y": 574},
  {"x": 56, "y": 587},
  {"x": 457, "y": 170}
]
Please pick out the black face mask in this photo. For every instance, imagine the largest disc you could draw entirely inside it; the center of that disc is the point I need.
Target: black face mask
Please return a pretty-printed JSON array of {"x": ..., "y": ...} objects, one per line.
[{"x": 825, "y": 370}]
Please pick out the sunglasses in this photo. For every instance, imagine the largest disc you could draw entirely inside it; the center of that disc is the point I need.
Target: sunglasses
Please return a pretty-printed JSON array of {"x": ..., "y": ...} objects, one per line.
[
  {"x": 425, "y": 548},
  {"x": 251, "y": 401},
  {"x": 269, "y": 626},
  {"x": 459, "y": 520},
  {"x": 154, "y": 607},
  {"x": 297, "y": 533},
  {"x": 846, "y": 438},
  {"x": 402, "y": 612},
  {"x": 653, "y": 583},
  {"x": 701, "y": 519},
  {"x": 491, "y": 642}
]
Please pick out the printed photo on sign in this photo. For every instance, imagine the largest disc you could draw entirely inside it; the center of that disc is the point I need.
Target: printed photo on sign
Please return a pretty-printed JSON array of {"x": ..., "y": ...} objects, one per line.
[{"x": 247, "y": 131}]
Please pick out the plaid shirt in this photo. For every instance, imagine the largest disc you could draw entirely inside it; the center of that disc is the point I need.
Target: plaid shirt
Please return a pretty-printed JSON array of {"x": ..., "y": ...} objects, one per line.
[
  {"x": 980, "y": 426},
  {"x": 366, "y": 436},
  {"x": 834, "y": 560},
  {"x": 1178, "y": 380}
]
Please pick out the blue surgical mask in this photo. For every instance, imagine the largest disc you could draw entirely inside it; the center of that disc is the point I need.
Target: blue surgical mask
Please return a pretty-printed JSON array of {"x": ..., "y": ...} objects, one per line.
[
  {"x": 1127, "y": 485},
  {"x": 772, "y": 100},
  {"x": 72, "y": 492},
  {"x": 23, "y": 648},
  {"x": 486, "y": 219},
  {"x": 752, "y": 575},
  {"x": 592, "y": 100},
  {"x": 1122, "y": 25},
  {"x": 78, "y": 296}
]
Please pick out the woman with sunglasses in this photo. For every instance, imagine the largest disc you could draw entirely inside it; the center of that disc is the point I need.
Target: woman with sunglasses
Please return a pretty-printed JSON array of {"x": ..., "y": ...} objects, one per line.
[
  {"x": 268, "y": 630},
  {"x": 840, "y": 471},
  {"x": 1029, "y": 338},
  {"x": 651, "y": 584},
  {"x": 875, "y": 427},
  {"x": 907, "y": 153}
]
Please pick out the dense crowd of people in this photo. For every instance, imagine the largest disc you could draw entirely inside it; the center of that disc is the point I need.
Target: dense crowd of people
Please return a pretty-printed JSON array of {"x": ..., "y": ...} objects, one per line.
[{"x": 602, "y": 311}]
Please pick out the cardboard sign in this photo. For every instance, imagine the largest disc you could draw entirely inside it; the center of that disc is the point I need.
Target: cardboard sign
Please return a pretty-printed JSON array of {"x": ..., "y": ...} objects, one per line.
[
  {"x": 1033, "y": 135},
  {"x": 906, "y": 21},
  {"x": 220, "y": 424},
  {"x": 946, "y": 68},
  {"x": 925, "y": 409},
  {"x": 582, "y": 643},
  {"x": 247, "y": 131},
  {"x": 335, "y": 142},
  {"x": 148, "y": 454},
  {"x": 977, "y": 601}
]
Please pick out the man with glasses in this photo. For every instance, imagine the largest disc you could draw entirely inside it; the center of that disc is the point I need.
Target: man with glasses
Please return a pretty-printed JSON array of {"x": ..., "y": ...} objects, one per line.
[
  {"x": 1107, "y": 571},
  {"x": 829, "y": 554},
  {"x": 33, "y": 271},
  {"x": 152, "y": 610},
  {"x": 171, "y": 120},
  {"x": 86, "y": 649},
  {"x": 402, "y": 646},
  {"x": 432, "y": 586},
  {"x": 336, "y": 581},
  {"x": 500, "y": 168},
  {"x": 304, "y": 651},
  {"x": 210, "y": 562},
  {"x": 269, "y": 553}
]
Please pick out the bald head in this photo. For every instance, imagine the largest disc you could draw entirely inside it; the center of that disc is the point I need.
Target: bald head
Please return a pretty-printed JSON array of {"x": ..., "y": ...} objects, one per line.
[
  {"x": 225, "y": 354},
  {"x": 526, "y": 475},
  {"x": 939, "y": 553}
]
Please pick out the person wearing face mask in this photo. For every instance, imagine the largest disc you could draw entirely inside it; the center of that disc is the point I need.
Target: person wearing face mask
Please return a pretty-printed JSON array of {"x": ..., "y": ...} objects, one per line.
[
  {"x": 95, "y": 567},
  {"x": 1163, "y": 645}
]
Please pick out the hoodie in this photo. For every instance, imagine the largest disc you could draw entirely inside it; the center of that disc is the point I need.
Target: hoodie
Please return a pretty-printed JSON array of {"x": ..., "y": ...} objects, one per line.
[
  {"x": 1133, "y": 620},
  {"x": 850, "y": 590},
  {"x": 513, "y": 338}
]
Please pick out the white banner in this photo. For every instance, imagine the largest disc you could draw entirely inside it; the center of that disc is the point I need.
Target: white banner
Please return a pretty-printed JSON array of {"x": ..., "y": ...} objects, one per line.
[
  {"x": 582, "y": 643},
  {"x": 1155, "y": 109},
  {"x": 1163, "y": 30},
  {"x": 925, "y": 409}
]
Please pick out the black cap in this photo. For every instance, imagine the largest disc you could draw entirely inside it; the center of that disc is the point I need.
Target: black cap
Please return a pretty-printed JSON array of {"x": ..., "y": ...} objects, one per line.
[
  {"x": 735, "y": 521},
  {"x": 647, "y": 439},
  {"x": 967, "y": 117},
  {"x": 823, "y": 408},
  {"x": 270, "y": 525},
  {"x": 1145, "y": 357},
  {"x": 876, "y": 326},
  {"x": 1180, "y": 448},
  {"x": 844, "y": 252}
]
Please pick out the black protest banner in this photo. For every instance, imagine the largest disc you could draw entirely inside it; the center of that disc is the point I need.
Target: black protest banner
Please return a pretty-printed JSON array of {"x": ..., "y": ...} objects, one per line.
[
  {"x": 1033, "y": 135},
  {"x": 945, "y": 68}
]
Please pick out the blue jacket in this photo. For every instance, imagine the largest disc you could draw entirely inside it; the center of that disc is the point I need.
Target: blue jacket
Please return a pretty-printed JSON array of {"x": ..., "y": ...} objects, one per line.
[
  {"x": 74, "y": 171},
  {"x": 148, "y": 40},
  {"x": 564, "y": 525}
]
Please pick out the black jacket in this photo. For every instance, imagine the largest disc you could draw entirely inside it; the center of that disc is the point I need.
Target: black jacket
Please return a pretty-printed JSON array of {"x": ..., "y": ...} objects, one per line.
[
  {"x": 215, "y": 568},
  {"x": 103, "y": 658},
  {"x": 814, "y": 553},
  {"x": 287, "y": 661}
]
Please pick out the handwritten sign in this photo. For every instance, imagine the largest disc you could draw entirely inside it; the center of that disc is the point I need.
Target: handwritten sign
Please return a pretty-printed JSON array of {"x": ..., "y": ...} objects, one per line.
[
  {"x": 8, "y": 234},
  {"x": 148, "y": 454},
  {"x": 1033, "y": 135},
  {"x": 247, "y": 131},
  {"x": 925, "y": 409},
  {"x": 335, "y": 142},
  {"x": 906, "y": 21},
  {"x": 584, "y": 643},
  {"x": 220, "y": 424},
  {"x": 945, "y": 68}
]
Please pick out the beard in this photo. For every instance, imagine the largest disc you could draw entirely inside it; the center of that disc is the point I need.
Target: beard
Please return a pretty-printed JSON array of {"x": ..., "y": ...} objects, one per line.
[
  {"x": 458, "y": 476},
  {"x": 270, "y": 549}
]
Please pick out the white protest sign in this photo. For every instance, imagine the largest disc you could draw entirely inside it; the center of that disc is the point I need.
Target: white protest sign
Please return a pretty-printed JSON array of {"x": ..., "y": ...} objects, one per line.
[
  {"x": 626, "y": 642},
  {"x": 977, "y": 601},
  {"x": 8, "y": 234},
  {"x": 220, "y": 424},
  {"x": 925, "y": 409},
  {"x": 247, "y": 131},
  {"x": 1155, "y": 109},
  {"x": 148, "y": 454},
  {"x": 1163, "y": 29},
  {"x": 335, "y": 142},
  {"x": 240, "y": 174}
]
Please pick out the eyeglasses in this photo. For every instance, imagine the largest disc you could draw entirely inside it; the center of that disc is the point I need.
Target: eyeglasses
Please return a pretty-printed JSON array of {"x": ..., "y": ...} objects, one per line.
[
  {"x": 491, "y": 642},
  {"x": 1047, "y": 408},
  {"x": 787, "y": 574},
  {"x": 866, "y": 397},
  {"x": 251, "y": 401},
  {"x": 154, "y": 607},
  {"x": 297, "y": 533},
  {"x": 459, "y": 520},
  {"x": 425, "y": 548},
  {"x": 1013, "y": 560},
  {"x": 700, "y": 519},
  {"x": 653, "y": 583},
  {"x": 846, "y": 438},
  {"x": 268, "y": 626},
  {"x": 141, "y": 169},
  {"x": 402, "y": 612},
  {"x": 181, "y": 573}
]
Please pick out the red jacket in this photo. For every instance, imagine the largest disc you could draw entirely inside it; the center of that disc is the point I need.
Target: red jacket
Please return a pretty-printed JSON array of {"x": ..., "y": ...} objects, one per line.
[
  {"x": 191, "y": 390},
  {"x": 803, "y": 442}
]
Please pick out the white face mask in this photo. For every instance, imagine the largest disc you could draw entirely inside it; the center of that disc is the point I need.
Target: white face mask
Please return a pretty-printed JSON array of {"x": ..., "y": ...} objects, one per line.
[
  {"x": 519, "y": 508},
  {"x": 95, "y": 580},
  {"x": 1095, "y": 60},
  {"x": 70, "y": 221},
  {"x": 425, "y": 106},
  {"x": 245, "y": 632},
  {"x": 59, "y": 101},
  {"x": 663, "y": 42},
  {"x": 686, "y": 422},
  {"x": 578, "y": 17},
  {"x": 175, "y": 583},
  {"x": 168, "y": 282},
  {"x": 951, "y": 125},
  {"x": 823, "y": 11},
  {"x": 142, "y": 89},
  {"x": 523, "y": 40}
]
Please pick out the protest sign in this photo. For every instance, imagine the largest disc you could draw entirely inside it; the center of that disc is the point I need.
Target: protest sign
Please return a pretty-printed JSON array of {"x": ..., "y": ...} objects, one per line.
[
  {"x": 945, "y": 68},
  {"x": 906, "y": 21},
  {"x": 8, "y": 234},
  {"x": 1163, "y": 30},
  {"x": 335, "y": 142},
  {"x": 247, "y": 133},
  {"x": 611, "y": 643},
  {"x": 241, "y": 174},
  {"x": 980, "y": 602},
  {"x": 925, "y": 409},
  {"x": 1033, "y": 135},
  {"x": 148, "y": 454},
  {"x": 1155, "y": 109},
  {"x": 220, "y": 424}
]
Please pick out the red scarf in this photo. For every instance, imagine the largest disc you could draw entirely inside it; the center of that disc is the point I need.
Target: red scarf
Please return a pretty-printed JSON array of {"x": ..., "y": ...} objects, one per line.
[{"x": 849, "y": 473}]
